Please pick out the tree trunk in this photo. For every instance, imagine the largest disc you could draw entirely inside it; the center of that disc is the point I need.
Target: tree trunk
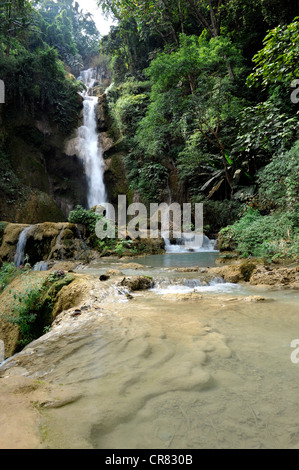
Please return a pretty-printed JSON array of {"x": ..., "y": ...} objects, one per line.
[{"x": 8, "y": 32}]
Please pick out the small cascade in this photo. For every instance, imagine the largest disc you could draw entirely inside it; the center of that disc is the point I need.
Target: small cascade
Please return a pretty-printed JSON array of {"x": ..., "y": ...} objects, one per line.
[
  {"x": 187, "y": 244},
  {"x": 185, "y": 286},
  {"x": 57, "y": 251},
  {"x": 21, "y": 247},
  {"x": 90, "y": 149},
  {"x": 41, "y": 266},
  {"x": 59, "y": 243}
]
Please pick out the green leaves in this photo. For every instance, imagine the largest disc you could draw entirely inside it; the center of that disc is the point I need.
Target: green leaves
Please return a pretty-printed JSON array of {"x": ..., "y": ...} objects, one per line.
[
  {"x": 278, "y": 181},
  {"x": 269, "y": 237},
  {"x": 278, "y": 61},
  {"x": 265, "y": 130}
]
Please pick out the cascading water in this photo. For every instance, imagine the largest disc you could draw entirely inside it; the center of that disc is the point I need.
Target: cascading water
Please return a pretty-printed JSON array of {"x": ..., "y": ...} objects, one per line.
[
  {"x": 186, "y": 245},
  {"x": 21, "y": 247},
  {"x": 89, "y": 148}
]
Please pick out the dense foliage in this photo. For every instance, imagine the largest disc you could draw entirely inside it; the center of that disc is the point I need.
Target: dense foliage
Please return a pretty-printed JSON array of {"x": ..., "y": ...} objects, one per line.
[
  {"x": 203, "y": 104},
  {"x": 211, "y": 105},
  {"x": 41, "y": 43}
]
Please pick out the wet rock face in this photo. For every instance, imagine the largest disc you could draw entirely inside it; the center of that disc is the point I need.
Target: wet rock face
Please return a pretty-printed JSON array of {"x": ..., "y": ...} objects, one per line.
[
  {"x": 269, "y": 276},
  {"x": 9, "y": 239},
  {"x": 137, "y": 283},
  {"x": 259, "y": 274},
  {"x": 48, "y": 241}
]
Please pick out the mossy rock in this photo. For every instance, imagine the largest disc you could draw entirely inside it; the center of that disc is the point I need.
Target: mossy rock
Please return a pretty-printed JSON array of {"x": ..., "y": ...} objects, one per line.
[
  {"x": 39, "y": 208},
  {"x": 3, "y": 226},
  {"x": 116, "y": 180},
  {"x": 10, "y": 237},
  {"x": 247, "y": 269},
  {"x": 67, "y": 234},
  {"x": 71, "y": 296},
  {"x": 14, "y": 330},
  {"x": 50, "y": 296}
]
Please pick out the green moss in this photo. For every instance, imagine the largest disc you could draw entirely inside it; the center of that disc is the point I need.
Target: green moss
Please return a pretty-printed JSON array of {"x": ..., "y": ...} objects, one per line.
[
  {"x": 116, "y": 180},
  {"x": 39, "y": 208},
  {"x": 3, "y": 226},
  {"x": 32, "y": 309},
  {"x": 247, "y": 270}
]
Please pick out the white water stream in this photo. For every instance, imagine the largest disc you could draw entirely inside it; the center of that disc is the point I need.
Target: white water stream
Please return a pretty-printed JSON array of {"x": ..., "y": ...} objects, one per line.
[
  {"x": 186, "y": 245},
  {"x": 90, "y": 149},
  {"x": 21, "y": 247}
]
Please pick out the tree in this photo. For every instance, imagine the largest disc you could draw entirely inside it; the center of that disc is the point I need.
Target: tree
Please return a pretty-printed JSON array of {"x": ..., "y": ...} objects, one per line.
[
  {"x": 16, "y": 19},
  {"x": 192, "y": 100},
  {"x": 271, "y": 126},
  {"x": 278, "y": 62},
  {"x": 71, "y": 31}
]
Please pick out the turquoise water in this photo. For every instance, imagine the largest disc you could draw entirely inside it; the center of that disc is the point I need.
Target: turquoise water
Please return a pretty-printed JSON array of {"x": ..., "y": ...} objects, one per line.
[{"x": 169, "y": 260}]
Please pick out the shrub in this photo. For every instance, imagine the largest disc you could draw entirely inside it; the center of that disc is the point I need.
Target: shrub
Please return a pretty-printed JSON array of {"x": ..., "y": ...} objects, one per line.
[
  {"x": 7, "y": 273},
  {"x": 272, "y": 236},
  {"x": 88, "y": 218},
  {"x": 278, "y": 181},
  {"x": 32, "y": 309}
]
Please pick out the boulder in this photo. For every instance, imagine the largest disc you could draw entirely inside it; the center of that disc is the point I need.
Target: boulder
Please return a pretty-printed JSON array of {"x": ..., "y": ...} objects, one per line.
[
  {"x": 137, "y": 283},
  {"x": 10, "y": 237},
  {"x": 134, "y": 266},
  {"x": 190, "y": 296},
  {"x": 276, "y": 276},
  {"x": 114, "y": 272},
  {"x": 194, "y": 269},
  {"x": 47, "y": 241}
]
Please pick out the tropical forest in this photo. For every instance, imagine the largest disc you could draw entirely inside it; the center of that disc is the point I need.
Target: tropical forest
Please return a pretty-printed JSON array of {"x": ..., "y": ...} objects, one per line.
[{"x": 123, "y": 323}]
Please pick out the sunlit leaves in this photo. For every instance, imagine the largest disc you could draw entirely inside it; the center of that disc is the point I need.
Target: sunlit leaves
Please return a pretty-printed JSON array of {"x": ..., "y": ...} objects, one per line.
[{"x": 278, "y": 61}]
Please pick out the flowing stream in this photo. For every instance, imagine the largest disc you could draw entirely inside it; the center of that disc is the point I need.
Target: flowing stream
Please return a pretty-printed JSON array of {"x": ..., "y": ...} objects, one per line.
[
  {"x": 21, "y": 247},
  {"x": 193, "y": 363},
  {"x": 186, "y": 365},
  {"x": 187, "y": 245}
]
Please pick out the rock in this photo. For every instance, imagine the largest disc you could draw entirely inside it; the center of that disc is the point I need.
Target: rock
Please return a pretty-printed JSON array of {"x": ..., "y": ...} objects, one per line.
[
  {"x": 194, "y": 269},
  {"x": 254, "y": 298},
  {"x": 137, "y": 283},
  {"x": 278, "y": 276},
  {"x": 106, "y": 142},
  {"x": 77, "y": 313},
  {"x": 240, "y": 271},
  {"x": 67, "y": 266},
  {"x": 194, "y": 296},
  {"x": 71, "y": 296},
  {"x": 114, "y": 272},
  {"x": 10, "y": 238},
  {"x": 45, "y": 242},
  {"x": 2, "y": 351},
  {"x": 104, "y": 278},
  {"x": 134, "y": 266},
  {"x": 247, "y": 269},
  {"x": 39, "y": 208}
]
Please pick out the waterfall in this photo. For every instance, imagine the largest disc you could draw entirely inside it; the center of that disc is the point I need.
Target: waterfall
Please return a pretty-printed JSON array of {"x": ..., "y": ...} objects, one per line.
[
  {"x": 21, "y": 247},
  {"x": 41, "y": 266},
  {"x": 186, "y": 245},
  {"x": 90, "y": 149}
]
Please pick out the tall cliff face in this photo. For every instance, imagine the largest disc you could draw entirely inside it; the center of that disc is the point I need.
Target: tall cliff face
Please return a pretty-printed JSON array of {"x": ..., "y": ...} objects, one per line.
[
  {"x": 38, "y": 181},
  {"x": 42, "y": 177}
]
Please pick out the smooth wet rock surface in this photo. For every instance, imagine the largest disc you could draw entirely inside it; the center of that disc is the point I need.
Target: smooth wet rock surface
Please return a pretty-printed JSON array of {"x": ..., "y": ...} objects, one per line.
[{"x": 213, "y": 371}]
